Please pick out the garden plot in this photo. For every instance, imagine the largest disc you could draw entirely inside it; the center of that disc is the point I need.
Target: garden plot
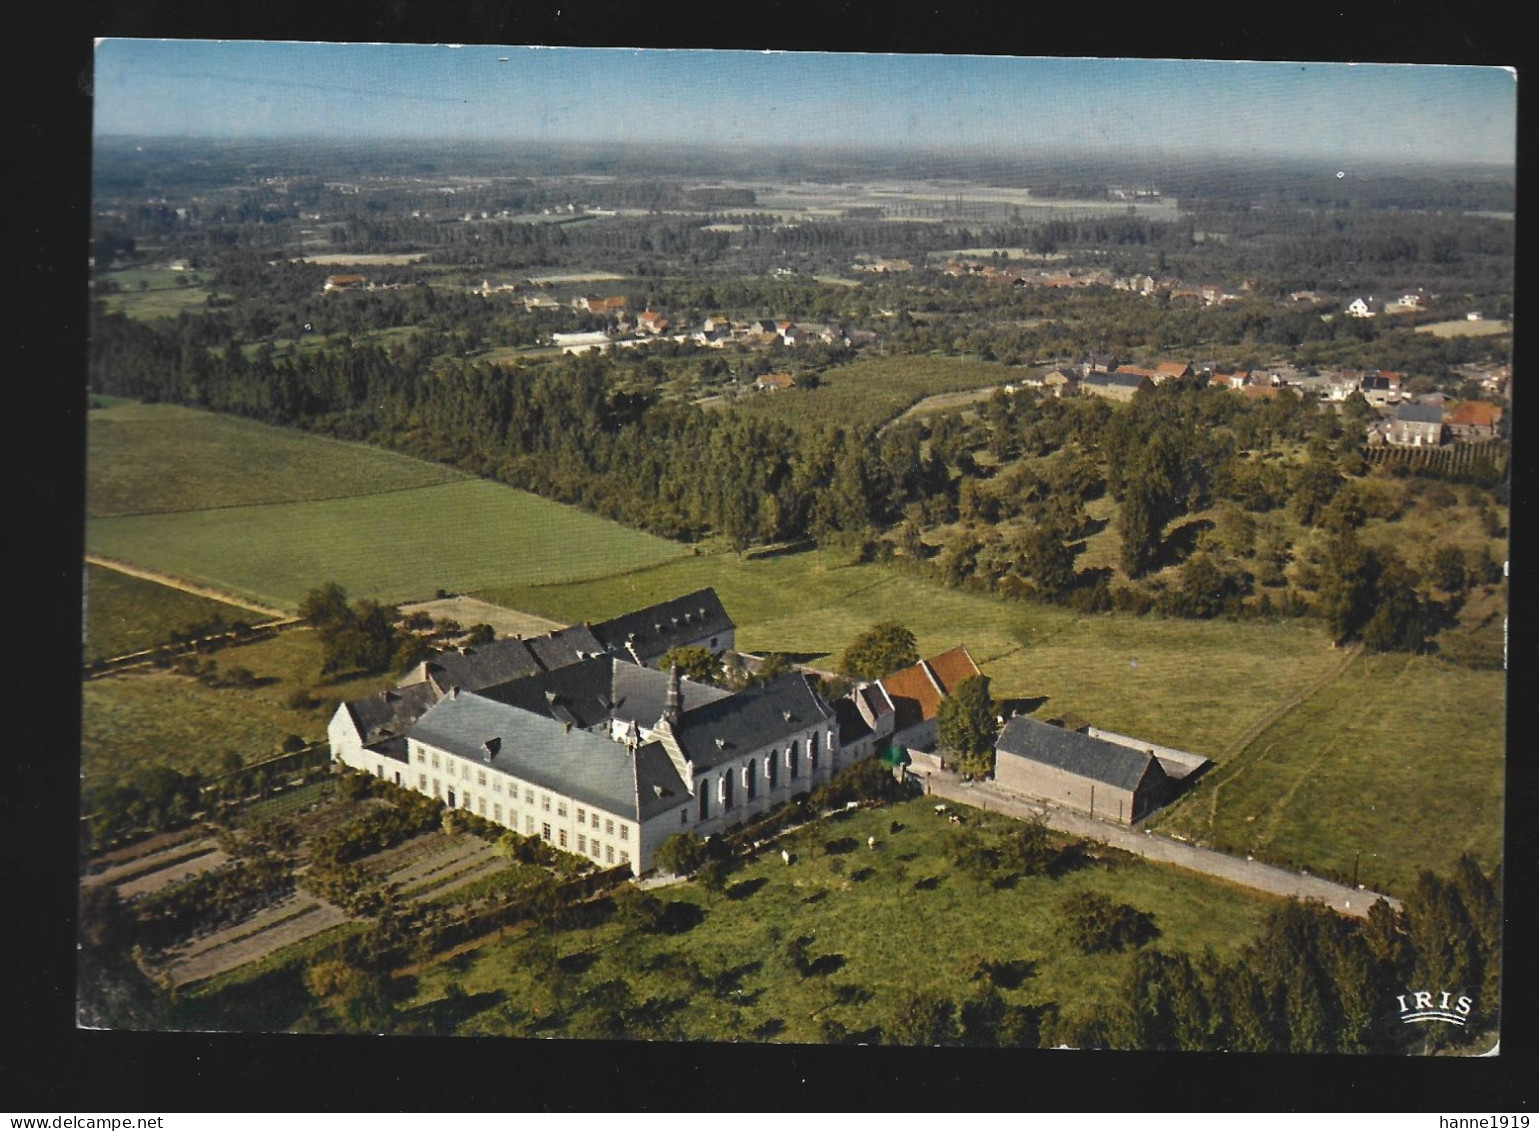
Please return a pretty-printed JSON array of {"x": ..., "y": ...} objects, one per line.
[
  {"x": 432, "y": 871},
  {"x": 272, "y": 929},
  {"x": 162, "y": 865},
  {"x": 434, "y": 889}
]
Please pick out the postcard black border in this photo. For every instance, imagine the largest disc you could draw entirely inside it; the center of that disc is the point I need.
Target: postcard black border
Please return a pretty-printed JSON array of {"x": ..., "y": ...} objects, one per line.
[{"x": 54, "y": 1066}]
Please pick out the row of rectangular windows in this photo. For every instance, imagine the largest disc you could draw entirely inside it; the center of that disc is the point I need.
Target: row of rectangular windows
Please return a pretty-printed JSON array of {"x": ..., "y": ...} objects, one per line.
[{"x": 582, "y": 814}]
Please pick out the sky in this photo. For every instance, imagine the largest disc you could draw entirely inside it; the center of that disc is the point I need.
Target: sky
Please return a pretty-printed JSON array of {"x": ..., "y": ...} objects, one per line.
[{"x": 993, "y": 104}]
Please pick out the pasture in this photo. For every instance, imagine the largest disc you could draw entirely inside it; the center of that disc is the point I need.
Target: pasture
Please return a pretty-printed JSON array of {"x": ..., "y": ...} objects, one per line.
[
  {"x": 138, "y": 719},
  {"x": 269, "y": 514},
  {"x": 1192, "y": 684},
  {"x": 152, "y": 459},
  {"x": 879, "y": 922},
  {"x": 1400, "y": 759},
  {"x": 126, "y": 614},
  {"x": 871, "y": 391}
]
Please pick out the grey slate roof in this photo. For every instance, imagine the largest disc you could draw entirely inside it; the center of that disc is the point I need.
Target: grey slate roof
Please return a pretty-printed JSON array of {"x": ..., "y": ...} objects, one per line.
[
  {"x": 591, "y": 692},
  {"x": 653, "y": 631},
  {"x": 762, "y": 715},
  {"x": 852, "y": 727},
  {"x": 482, "y": 665},
  {"x": 564, "y": 646},
  {"x": 389, "y": 713},
  {"x": 1077, "y": 753},
  {"x": 1123, "y": 380},
  {"x": 544, "y": 752},
  {"x": 1420, "y": 413}
]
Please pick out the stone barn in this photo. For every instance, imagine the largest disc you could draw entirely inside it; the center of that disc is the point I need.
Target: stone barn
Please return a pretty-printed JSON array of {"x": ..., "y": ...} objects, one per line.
[{"x": 1073, "y": 770}]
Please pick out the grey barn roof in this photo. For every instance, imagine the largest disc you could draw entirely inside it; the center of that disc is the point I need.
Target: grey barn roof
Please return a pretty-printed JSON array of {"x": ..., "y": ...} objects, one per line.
[
  {"x": 1123, "y": 380},
  {"x": 760, "y": 716},
  {"x": 654, "y": 630},
  {"x": 1420, "y": 413},
  {"x": 545, "y": 753},
  {"x": 1076, "y": 753}
]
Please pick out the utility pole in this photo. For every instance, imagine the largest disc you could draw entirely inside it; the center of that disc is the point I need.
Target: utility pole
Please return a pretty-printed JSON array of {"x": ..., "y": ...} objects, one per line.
[{"x": 1355, "y": 859}]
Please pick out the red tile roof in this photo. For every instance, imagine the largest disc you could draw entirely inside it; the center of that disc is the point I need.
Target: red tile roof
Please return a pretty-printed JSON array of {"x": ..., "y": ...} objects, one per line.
[
  {"x": 1475, "y": 414},
  {"x": 916, "y": 692}
]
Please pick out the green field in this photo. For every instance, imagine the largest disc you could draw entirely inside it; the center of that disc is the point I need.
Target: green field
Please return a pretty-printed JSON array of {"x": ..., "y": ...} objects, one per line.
[
  {"x": 126, "y": 614},
  {"x": 860, "y": 908},
  {"x": 873, "y": 390},
  {"x": 143, "y": 459},
  {"x": 145, "y": 718},
  {"x": 1196, "y": 684},
  {"x": 160, "y": 297},
  {"x": 270, "y": 514},
  {"x": 1400, "y": 758}
]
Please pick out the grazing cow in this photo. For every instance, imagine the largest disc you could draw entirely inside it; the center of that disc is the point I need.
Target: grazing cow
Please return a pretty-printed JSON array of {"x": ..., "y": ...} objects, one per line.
[
  {"x": 871, "y": 842},
  {"x": 954, "y": 819},
  {"x": 786, "y": 856}
]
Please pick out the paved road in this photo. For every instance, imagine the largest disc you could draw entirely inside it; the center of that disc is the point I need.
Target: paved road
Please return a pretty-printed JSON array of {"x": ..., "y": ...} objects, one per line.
[{"x": 1248, "y": 873}]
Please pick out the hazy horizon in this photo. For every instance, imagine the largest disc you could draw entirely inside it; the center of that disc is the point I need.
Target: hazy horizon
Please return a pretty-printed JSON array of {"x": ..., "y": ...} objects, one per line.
[{"x": 988, "y": 108}]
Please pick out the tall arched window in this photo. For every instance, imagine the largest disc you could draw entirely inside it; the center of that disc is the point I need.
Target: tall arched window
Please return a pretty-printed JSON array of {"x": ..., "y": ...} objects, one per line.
[
  {"x": 704, "y": 790},
  {"x": 772, "y": 770},
  {"x": 726, "y": 789},
  {"x": 792, "y": 758},
  {"x": 812, "y": 755},
  {"x": 751, "y": 780}
]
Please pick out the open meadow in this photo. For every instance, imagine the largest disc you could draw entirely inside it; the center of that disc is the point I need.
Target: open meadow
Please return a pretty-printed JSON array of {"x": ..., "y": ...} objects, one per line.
[
  {"x": 880, "y": 923},
  {"x": 871, "y": 391},
  {"x": 138, "y": 719},
  {"x": 1400, "y": 759},
  {"x": 126, "y": 614},
  {"x": 1190, "y": 684},
  {"x": 270, "y": 514}
]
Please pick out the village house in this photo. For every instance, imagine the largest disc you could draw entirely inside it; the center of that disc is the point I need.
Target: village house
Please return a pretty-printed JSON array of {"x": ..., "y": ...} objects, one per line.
[
  {"x": 1365, "y": 307},
  {"x": 1100, "y": 778},
  {"x": 866, "y": 721},
  {"x": 1380, "y": 387},
  {"x": 1472, "y": 420},
  {"x": 343, "y": 282},
  {"x": 1060, "y": 382},
  {"x": 775, "y": 383},
  {"x": 1169, "y": 370},
  {"x": 1118, "y": 386},
  {"x": 1234, "y": 381},
  {"x": 651, "y": 322},
  {"x": 916, "y": 693},
  {"x": 1417, "y": 425}
]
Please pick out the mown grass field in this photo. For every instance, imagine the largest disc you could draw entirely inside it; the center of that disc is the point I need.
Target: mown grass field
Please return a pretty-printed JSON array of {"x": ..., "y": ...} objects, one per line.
[
  {"x": 270, "y": 514},
  {"x": 1400, "y": 758},
  {"x": 143, "y": 718},
  {"x": 158, "y": 458},
  {"x": 125, "y": 614},
  {"x": 879, "y": 935},
  {"x": 1195, "y": 684},
  {"x": 873, "y": 390}
]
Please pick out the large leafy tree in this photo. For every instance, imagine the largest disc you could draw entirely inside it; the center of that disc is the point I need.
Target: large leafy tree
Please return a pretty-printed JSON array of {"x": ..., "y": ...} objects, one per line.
[
  {"x": 881, "y": 650},
  {"x": 965, "y": 721}
]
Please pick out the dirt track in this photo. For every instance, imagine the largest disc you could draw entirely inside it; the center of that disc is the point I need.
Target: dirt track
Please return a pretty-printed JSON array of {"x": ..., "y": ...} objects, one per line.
[{"x": 187, "y": 586}]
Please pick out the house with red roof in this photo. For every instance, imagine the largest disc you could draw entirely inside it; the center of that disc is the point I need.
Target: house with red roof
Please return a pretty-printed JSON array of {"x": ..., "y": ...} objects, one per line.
[{"x": 916, "y": 694}]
